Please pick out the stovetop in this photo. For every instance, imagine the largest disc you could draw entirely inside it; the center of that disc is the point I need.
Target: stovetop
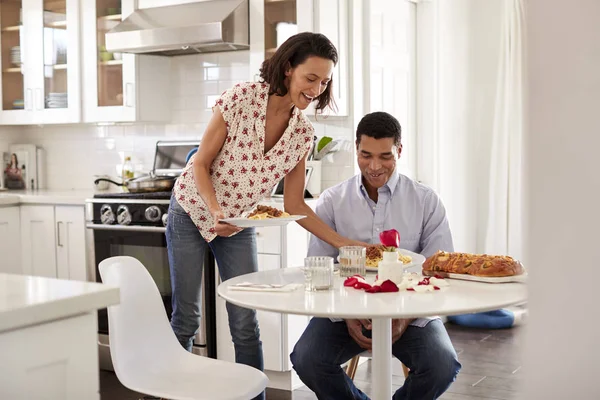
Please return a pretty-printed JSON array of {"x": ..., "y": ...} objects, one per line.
[{"x": 134, "y": 196}]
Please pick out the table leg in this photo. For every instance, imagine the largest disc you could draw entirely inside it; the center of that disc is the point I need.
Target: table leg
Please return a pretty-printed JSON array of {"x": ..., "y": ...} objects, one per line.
[{"x": 382, "y": 358}]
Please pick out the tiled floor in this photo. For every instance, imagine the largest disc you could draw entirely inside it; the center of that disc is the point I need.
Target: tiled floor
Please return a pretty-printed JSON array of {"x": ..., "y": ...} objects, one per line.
[{"x": 490, "y": 359}]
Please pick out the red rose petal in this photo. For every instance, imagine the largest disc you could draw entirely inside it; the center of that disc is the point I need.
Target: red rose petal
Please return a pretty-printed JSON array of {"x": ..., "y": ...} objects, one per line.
[
  {"x": 389, "y": 286},
  {"x": 374, "y": 289},
  {"x": 436, "y": 288},
  {"x": 411, "y": 289},
  {"x": 362, "y": 285},
  {"x": 350, "y": 281}
]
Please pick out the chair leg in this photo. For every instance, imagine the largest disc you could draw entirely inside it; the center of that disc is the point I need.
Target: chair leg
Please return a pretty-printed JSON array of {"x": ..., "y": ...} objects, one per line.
[
  {"x": 405, "y": 370},
  {"x": 352, "y": 366}
]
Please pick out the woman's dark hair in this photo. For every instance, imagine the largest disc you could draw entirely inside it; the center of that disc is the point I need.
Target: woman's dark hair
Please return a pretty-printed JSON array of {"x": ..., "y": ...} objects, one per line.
[
  {"x": 16, "y": 160},
  {"x": 294, "y": 52},
  {"x": 379, "y": 125}
]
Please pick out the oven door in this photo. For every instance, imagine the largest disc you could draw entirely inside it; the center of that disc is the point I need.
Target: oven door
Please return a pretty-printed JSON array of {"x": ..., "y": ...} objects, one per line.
[{"x": 149, "y": 246}]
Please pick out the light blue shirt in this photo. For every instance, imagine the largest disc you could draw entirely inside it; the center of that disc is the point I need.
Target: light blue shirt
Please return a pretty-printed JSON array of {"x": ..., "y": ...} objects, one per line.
[{"x": 411, "y": 208}]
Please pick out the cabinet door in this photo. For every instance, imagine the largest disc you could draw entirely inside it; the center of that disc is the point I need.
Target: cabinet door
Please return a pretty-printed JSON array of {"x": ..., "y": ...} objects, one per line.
[
  {"x": 38, "y": 241},
  {"x": 331, "y": 19},
  {"x": 10, "y": 241},
  {"x": 269, "y": 323},
  {"x": 273, "y": 21},
  {"x": 70, "y": 243},
  {"x": 122, "y": 87},
  {"x": 15, "y": 80},
  {"x": 55, "y": 34},
  {"x": 109, "y": 96}
]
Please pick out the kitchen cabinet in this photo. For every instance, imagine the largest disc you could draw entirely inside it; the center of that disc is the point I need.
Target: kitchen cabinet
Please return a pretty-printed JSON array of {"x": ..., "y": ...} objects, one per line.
[
  {"x": 10, "y": 240},
  {"x": 272, "y": 21},
  {"x": 40, "y": 61},
  {"x": 120, "y": 87},
  {"x": 70, "y": 242},
  {"x": 53, "y": 241},
  {"x": 278, "y": 247}
]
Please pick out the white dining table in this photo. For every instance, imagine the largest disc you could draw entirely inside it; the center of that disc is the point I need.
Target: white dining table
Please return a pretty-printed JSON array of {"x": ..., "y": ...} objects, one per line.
[{"x": 460, "y": 297}]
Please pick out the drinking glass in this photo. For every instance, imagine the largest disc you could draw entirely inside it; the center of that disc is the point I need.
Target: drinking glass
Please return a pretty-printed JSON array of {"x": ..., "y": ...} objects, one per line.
[
  {"x": 352, "y": 260},
  {"x": 318, "y": 273}
]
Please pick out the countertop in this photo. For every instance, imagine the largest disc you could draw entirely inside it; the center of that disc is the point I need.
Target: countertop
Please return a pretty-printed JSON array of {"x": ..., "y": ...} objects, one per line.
[
  {"x": 61, "y": 197},
  {"x": 78, "y": 197},
  {"x": 32, "y": 300}
]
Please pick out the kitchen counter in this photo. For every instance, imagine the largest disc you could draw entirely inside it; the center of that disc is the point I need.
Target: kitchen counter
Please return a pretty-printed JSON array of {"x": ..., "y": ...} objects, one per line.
[
  {"x": 7, "y": 200},
  {"x": 64, "y": 197},
  {"x": 33, "y": 300},
  {"x": 48, "y": 337}
]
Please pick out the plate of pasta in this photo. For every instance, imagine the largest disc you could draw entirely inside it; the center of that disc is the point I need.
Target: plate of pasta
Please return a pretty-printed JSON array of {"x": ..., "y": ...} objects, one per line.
[
  {"x": 263, "y": 216},
  {"x": 407, "y": 257}
]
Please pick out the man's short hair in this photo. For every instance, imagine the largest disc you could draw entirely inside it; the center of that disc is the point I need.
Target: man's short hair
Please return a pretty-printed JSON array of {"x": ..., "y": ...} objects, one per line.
[{"x": 379, "y": 125}]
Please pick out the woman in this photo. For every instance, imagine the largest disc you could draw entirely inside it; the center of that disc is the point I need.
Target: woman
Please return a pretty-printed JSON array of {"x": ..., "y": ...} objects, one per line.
[{"x": 256, "y": 136}]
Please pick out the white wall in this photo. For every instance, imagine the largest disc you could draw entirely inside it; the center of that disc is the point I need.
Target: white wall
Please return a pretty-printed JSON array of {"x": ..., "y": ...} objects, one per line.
[
  {"x": 75, "y": 153},
  {"x": 562, "y": 359},
  {"x": 457, "y": 64}
]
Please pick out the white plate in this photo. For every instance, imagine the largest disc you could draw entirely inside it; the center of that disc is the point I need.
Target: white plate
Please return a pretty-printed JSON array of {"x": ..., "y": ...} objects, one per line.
[
  {"x": 465, "y": 277},
  {"x": 417, "y": 259},
  {"x": 248, "y": 223}
]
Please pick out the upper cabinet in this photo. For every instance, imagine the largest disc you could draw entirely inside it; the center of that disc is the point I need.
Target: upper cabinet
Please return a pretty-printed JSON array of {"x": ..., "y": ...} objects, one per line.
[
  {"x": 40, "y": 61},
  {"x": 120, "y": 87},
  {"x": 55, "y": 68},
  {"x": 273, "y": 21}
]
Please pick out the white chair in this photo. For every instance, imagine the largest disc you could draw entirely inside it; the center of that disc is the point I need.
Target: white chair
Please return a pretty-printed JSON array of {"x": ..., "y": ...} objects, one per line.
[{"x": 148, "y": 358}]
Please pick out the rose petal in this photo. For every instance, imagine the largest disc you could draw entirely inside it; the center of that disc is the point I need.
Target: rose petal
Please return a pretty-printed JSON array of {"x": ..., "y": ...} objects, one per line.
[
  {"x": 389, "y": 286},
  {"x": 350, "y": 281},
  {"x": 374, "y": 289},
  {"x": 410, "y": 289},
  {"x": 362, "y": 285}
]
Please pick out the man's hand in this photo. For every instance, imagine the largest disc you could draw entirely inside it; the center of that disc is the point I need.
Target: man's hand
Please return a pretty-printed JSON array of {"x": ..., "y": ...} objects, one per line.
[
  {"x": 398, "y": 328},
  {"x": 355, "y": 330}
]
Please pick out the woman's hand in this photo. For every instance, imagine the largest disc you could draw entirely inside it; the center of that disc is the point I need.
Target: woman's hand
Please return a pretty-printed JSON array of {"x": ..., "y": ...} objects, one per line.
[
  {"x": 350, "y": 242},
  {"x": 223, "y": 228},
  {"x": 355, "y": 330}
]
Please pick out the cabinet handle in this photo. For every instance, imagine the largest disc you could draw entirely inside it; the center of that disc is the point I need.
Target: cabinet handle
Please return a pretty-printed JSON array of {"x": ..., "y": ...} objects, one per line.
[
  {"x": 59, "y": 244},
  {"x": 39, "y": 99},
  {"x": 28, "y": 105},
  {"x": 129, "y": 95}
]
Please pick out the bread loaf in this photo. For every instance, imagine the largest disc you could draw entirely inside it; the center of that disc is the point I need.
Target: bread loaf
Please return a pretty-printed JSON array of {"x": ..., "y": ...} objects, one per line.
[{"x": 473, "y": 264}]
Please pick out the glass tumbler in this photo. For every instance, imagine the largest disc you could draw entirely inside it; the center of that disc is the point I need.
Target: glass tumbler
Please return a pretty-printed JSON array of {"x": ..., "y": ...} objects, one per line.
[
  {"x": 352, "y": 260},
  {"x": 318, "y": 273}
]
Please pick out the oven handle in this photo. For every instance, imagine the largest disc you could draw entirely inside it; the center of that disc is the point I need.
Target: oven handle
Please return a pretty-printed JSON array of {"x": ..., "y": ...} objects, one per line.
[{"x": 127, "y": 228}]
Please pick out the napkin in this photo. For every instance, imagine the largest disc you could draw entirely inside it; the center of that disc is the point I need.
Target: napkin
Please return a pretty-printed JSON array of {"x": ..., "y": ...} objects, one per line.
[{"x": 265, "y": 287}]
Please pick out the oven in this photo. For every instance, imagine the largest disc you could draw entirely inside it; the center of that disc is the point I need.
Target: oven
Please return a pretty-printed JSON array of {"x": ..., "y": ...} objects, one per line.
[{"x": 143, "y": 237}]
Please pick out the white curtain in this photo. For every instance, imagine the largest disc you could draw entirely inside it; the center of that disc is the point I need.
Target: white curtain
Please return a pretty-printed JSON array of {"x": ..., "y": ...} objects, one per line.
[{"x": 504, "y": 225}]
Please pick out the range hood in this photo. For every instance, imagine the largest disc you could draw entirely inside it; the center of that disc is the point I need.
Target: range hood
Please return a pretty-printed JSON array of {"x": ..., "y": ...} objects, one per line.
[{"x": 200, "y": 27}]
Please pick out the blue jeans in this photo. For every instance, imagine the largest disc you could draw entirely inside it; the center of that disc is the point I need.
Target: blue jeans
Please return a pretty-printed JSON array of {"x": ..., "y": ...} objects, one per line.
[
  {"x": 325, "y": 345},
  {"x": 235, "y": 255}
]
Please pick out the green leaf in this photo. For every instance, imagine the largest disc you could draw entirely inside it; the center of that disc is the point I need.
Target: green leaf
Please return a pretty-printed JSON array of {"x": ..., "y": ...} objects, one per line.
[{"x": 323, "y": 142}]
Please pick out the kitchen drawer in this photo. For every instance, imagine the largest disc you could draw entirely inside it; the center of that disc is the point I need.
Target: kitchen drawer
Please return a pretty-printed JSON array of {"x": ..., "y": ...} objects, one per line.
[{"x": 268, "y": 239}]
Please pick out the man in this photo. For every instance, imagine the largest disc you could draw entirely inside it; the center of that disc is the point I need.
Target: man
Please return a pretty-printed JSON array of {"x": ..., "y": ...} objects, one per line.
[{"x": 377, "y": 199}]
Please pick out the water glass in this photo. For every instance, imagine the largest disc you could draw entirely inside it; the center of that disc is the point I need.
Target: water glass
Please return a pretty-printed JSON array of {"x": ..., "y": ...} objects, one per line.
[
  {"x": 318, "y": 273},
  {"x": 352, "y": 260}
]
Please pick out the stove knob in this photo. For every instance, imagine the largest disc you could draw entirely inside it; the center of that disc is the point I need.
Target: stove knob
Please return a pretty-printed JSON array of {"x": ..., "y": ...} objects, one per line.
[
  {"x": 107, "y": 216},
  {"x": 123, "y": 215},
  {"x": 165, "y": 218},
  {"x": 152, "y": 214}
]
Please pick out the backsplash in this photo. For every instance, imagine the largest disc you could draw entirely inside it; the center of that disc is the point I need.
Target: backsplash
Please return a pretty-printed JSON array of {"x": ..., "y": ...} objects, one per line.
[{"x": 75, "y": 153}]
